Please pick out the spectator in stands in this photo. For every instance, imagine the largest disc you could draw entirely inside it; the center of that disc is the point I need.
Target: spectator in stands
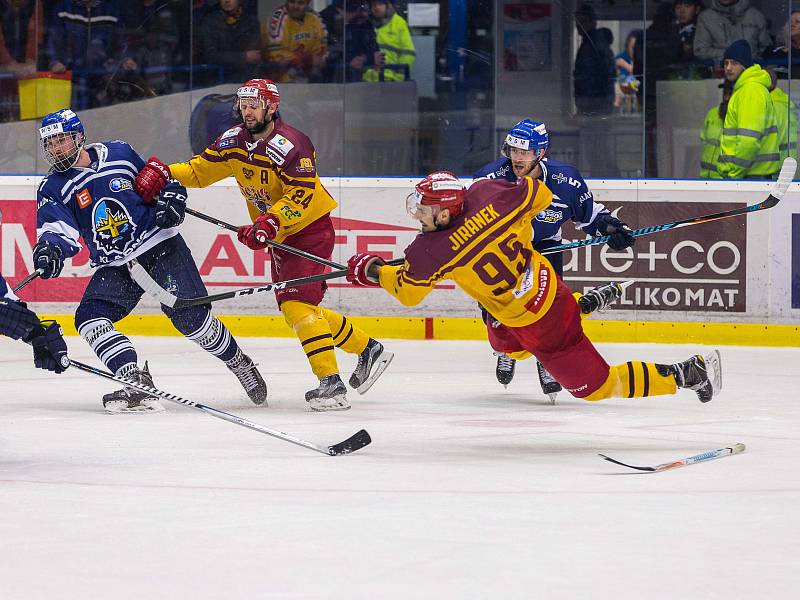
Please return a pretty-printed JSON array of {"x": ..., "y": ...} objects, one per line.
[
  {"x": 630, "y": 69},
  {"x": 594, "y": 66},
  {"x": 394, "y": 40},
  {"x": 787, "y": 45},
  {"x": 712, "y": 130},
  {"x": 230, "y": 37},
  {"x": 749, "y": 140},
  {"x": 686, "y": 13},
  {"x": 725, "y": 21},
  {"x": 296, "y": 43},
  {"x": 785, "y": 117},
  {"x": 87, "y": 37},
  {"x": 594, "y": 77},
  {"x": 21, "y": 33},
  {"x": 352, "y": 43},
  {"x": 158, "y": 39}
]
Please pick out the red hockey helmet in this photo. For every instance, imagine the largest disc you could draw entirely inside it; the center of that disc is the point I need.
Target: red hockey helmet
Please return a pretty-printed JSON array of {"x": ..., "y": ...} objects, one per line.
[
  {"x": 442, "y": 189},
  {"x": 263, "y": 90}
]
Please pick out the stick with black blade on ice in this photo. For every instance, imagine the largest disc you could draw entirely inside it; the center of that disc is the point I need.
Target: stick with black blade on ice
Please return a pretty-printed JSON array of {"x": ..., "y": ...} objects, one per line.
[
  {"x": 702, "y": 457},
  {"x": 351, "y": 444}
]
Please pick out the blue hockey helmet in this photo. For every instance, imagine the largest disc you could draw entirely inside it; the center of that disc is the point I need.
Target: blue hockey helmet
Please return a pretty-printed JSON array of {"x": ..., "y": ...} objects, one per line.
[
  {"x": 526, "y": 135},
  {"x": 61, "y": 138}
]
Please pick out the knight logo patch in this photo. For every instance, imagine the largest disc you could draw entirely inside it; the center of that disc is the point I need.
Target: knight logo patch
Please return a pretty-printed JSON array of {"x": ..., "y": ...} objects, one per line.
[
  {"x": 281, "y": 144},
  {"x": 549, "y": 215},
  {"x": 113, "y": 228},
  {"x": 118, "y": 184},
  {"x": 84, "y": 198}
]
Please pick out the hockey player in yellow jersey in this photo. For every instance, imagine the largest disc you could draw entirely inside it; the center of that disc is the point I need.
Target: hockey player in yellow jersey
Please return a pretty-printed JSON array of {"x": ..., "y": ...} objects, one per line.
[
  {"x": 481, "y": 239},
  {"x": 275, "y": 167}
]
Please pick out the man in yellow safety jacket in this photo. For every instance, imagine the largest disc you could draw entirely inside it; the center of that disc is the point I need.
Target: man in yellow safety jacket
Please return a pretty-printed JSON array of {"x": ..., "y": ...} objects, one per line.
[
  {"x": 712, "y": 130},
  {"x": 786, "y": 117},
  {"x": 749, "y": 141},
  {"x": 394, "y": 40}
]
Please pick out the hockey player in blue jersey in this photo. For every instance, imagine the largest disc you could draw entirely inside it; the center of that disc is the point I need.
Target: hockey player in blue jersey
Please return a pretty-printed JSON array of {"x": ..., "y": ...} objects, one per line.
[
  {"x": 17, "y": 321},
  {"x": 89, "y": 194},
  {"x": 524, "y": 153}
]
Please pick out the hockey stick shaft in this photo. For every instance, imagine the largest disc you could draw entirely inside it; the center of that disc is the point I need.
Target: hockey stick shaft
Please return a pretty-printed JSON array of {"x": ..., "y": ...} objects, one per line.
[
  {"x": 149, "y": 285},
  {"x": 784, "y": 180},
  {"x": 27, "y": 280},
  {"x": 274, "y": 244},
  {"x": 328, "y": 450}
]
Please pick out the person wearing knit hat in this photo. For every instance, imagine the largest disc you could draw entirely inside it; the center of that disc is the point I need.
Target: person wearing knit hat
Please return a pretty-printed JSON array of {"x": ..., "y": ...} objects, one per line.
[
  {"x": 749, "y": 145},
  {"x": 740, "y": 52}
]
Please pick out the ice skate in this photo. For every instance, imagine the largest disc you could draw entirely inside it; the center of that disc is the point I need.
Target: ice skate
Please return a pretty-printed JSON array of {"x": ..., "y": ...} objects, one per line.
[
  {"x": 246, "y": 372},
  {"x": 505, "y": 368},
  {"x": 549, "y": 385},
  {"x": 703, "y": 374},
  {"x": 330, "y": 395},
  {"x": 132, "y": 400},
  {"x": 372, "y": 362},
  {"x": 601, "y": 297}
]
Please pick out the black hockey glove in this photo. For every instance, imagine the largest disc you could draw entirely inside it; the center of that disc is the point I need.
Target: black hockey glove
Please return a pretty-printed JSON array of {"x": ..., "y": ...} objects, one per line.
[
  {"x": 49, "y": 259},
  {"x": 49, "y": 348},
  {"x": 619, "y": 231},
  {"x": 16, "y": 320},
  {"x": 171, "y": 205}
]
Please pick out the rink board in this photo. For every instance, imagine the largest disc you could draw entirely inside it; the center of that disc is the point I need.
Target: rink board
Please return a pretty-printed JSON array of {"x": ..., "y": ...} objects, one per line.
[{"x": 723, "y": 274}]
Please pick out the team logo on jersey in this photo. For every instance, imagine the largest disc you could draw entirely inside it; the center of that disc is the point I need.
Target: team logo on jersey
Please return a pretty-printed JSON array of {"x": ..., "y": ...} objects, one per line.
[
  {"x": 113, "y": 228},
  {"x": 306, "y": 166},
  {"x": 281, "y": 144},
  {"x": 222, "y": 144},
  {"x": 84, "y": 198},
  {"x": 248, "y": 173},
  {"x": 560, "y": 178},
  {"x": 118, "y": 184},
  {"x": 549, "y": 215}
]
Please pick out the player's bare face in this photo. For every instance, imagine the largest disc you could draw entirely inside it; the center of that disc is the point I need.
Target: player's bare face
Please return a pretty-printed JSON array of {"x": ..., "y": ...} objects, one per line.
[
  {"x": 523, "y": 161},
  {"x": 432, "y": 218},
  {"x": 253, "y": 113}
]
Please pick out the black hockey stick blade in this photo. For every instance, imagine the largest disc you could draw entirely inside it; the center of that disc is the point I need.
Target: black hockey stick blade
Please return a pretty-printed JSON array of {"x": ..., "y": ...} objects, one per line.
[
  {"x": 351, "y": 444},
  {"x": 613, "y": 460}
]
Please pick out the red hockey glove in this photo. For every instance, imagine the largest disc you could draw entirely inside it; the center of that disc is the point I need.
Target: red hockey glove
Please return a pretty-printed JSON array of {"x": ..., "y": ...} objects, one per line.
[
  {"x": 151, "y": 179},
  {"x": 358, "y": 269},
  {"x": 255, "y": 236}
]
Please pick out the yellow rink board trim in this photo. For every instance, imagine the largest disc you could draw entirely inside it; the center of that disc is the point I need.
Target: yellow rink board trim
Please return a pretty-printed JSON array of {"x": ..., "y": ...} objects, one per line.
[{"x": 417, "y": 328}]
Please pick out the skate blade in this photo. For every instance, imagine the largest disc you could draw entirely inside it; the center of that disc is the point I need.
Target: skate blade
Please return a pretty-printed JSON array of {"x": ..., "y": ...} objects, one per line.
[
  {"x": 383, "y": 362},
  {"x": 154, "y": 407},
  {"x": 330, "y": 405},
  {"x": 552, "y": 398}
]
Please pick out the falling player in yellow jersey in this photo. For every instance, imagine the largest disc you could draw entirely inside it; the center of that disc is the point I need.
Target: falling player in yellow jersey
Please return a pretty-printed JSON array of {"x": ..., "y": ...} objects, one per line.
[
  {"x": 275, "y": 167},
  {"x": 481, "y": 239}
]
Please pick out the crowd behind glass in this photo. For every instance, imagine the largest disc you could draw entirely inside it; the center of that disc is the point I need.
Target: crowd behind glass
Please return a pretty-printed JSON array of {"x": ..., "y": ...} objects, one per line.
[{"x": 117, "y": 52}]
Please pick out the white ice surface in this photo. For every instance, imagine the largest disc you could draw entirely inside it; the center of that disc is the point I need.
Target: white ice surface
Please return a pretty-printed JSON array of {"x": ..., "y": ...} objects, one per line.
[{"x": 467, "y": 491}]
